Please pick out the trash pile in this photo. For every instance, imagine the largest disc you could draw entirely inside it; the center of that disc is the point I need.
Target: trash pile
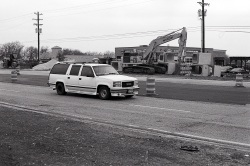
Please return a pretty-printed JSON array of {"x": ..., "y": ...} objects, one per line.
[{"x": 45, "y": 66}]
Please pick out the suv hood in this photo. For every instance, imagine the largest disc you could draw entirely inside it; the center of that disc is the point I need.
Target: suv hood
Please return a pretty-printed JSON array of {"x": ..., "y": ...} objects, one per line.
[{"x": 118, "y": 77}]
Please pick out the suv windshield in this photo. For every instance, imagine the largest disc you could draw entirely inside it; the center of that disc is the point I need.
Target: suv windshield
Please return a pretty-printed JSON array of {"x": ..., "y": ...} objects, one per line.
[{"x": 104, "y": 70}]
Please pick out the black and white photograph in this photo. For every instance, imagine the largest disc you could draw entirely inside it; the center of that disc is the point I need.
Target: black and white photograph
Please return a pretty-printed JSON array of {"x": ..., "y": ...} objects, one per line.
[{"x": 125, "y": 83}]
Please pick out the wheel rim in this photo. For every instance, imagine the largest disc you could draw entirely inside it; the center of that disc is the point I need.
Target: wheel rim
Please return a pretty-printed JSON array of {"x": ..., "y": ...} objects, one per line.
[{"x": 104, "y": 93}]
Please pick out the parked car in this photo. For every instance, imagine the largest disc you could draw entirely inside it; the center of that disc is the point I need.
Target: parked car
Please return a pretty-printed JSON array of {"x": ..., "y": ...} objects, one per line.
[
  {"x": 234, "y": 71},
  {"x": 238, "y": 71},
  {"x": 92, "y": 79},
  {"x": 226, "y": 69}
]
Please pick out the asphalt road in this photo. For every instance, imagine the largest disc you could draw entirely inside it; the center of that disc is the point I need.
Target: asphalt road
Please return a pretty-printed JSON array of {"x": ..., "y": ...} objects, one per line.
[
  {"x": 167, "y": 90},
  {"x": 216, "y": 121}
]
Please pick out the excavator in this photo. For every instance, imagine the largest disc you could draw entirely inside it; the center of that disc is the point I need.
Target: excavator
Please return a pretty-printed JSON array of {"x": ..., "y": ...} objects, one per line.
[{"x": 149, "y": 67}]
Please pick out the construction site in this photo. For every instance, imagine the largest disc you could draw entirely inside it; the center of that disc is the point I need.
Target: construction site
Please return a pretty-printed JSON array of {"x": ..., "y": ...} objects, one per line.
[{"x": 152, "y": 58}]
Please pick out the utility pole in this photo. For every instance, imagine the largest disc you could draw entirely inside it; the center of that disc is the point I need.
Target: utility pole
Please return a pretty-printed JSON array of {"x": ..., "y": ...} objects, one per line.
[
  {"x": 203, "y": 13},
  {"x": 38, "y": 31}
]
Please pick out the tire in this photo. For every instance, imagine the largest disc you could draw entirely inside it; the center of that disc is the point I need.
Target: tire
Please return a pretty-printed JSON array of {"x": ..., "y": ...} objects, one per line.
[
  {"x": 60, "y": 89},
  {"x": 129, "y": 96},
  {"x": 104, "y": 93}
]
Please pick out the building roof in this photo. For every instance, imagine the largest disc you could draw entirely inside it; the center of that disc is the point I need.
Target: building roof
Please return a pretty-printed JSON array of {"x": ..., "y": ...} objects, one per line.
[{"x": 56, "y": 47}]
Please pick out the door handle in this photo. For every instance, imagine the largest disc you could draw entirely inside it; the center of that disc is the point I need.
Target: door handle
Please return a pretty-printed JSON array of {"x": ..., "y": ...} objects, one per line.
[
  {"x": 80, "y": 78},
  {"x": 68, "y": 77}
]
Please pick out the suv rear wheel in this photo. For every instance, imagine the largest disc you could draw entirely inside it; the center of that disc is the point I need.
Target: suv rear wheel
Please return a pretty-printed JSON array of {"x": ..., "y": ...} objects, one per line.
[
  {"x": 60, "y": 89},
  {"x": 104, "y": 93}
]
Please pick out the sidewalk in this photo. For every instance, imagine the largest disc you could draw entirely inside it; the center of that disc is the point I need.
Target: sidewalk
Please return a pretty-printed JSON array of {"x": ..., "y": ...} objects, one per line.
[{"x": 144, "y": 78}]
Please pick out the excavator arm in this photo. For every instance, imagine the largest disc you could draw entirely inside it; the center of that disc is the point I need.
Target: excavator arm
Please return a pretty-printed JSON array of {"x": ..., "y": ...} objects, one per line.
[{"x": 148, "y": 54}]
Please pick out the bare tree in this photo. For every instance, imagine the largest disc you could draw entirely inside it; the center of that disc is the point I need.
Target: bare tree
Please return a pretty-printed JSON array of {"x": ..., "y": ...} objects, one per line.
[
  {"x": 108, "y": 54},
  {"x": 60, "y": 56},
  {"x": 30, "y": 53},
  {"x": 44, "y": 49},
  {"x": 12, "y": 48}
]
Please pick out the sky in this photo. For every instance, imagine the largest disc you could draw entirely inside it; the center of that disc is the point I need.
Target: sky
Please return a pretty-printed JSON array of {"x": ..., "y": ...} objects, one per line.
[{"x": 103, "y": 25}]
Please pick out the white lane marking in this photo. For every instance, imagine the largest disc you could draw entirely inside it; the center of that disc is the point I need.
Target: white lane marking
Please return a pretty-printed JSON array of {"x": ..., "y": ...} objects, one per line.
[
  {"x": 130, "y": 125},
  {"x": 169, "y": 109},
  {"x": 202, "y": 138},
  {"x": 9, "y": 90}
]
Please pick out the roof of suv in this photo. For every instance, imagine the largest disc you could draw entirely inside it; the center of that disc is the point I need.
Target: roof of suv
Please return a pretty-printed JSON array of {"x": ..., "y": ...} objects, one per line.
[{"x": 86, "y": 64}]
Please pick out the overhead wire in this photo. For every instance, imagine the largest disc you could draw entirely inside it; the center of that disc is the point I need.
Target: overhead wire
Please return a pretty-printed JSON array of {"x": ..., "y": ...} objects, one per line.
[
  {"x": 15, "y": 18},
  {"x": 113, "y": 36},
  {"x": 82, "y": 12},
  {"x": 14, "y": 26},
  {"x": 80, "y": 6},
  {"x": 124, "y": 35},
  {"x": 127, "y": 35}
]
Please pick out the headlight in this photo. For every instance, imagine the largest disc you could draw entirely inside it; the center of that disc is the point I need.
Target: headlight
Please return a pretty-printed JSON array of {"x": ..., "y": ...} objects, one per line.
[
  {"x": 117, "y": 84},
  {"x": 136, "y": 83}
]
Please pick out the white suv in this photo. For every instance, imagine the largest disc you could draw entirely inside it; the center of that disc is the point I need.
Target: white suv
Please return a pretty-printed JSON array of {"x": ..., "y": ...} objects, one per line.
[{"x": 92, "y": 79}]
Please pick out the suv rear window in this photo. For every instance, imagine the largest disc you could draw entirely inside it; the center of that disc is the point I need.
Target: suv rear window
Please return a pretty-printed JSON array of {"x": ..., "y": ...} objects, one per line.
[{"x": 59, "y": 69}]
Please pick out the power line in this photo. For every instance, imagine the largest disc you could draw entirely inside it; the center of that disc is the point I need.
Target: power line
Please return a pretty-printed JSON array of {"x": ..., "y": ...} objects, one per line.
[
  {"x": 113, "y": 36},
  {"x": 14, "y": 26},
  {"x": 231, "y": 26},
  {"x": 16, "y": 17},
  {"x": 79, "y": 6},
  {"x": 230, "y": 31},
  {"x": 128, "y": 35},
  {"x": 82, "y": 12}
]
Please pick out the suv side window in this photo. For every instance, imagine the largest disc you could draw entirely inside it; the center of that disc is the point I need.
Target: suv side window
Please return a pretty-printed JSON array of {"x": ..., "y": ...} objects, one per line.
[
  {"x": 87, "y": 71},
  {"x": 75, "y": 70},
  {"x": 59, "y": 69}
]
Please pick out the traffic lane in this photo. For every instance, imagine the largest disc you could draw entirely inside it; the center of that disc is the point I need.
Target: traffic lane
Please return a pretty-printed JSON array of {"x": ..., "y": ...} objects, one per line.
[
  {"x": 204, "y": 93},
  {"x": 186, "y": 105},
  {"x": 210, "y": 109},
  {"x": 232, "y": 123},
  {"x": 38, "y": 80}
]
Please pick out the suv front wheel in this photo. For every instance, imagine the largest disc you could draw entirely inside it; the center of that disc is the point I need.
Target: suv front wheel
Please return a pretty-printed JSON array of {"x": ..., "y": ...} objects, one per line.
[
  {"x": 104, "y": 93},
  {"x": 60, "y": 89}
]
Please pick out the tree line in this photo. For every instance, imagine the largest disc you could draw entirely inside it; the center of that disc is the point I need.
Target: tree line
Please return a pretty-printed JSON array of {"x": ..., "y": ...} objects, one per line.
[{"x": 30, "y": 53}]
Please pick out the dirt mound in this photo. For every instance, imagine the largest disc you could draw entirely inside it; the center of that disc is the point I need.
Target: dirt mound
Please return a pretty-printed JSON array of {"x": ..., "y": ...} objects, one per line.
[{"x": 45, "y": 66}]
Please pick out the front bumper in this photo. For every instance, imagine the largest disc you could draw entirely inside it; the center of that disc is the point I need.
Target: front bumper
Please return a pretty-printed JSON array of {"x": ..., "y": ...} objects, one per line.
[{"x": 124, "y": 92}]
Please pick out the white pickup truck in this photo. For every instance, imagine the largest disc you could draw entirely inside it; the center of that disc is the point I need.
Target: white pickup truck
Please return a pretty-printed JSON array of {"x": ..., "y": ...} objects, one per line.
[{"x": 92, "y": 79}]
